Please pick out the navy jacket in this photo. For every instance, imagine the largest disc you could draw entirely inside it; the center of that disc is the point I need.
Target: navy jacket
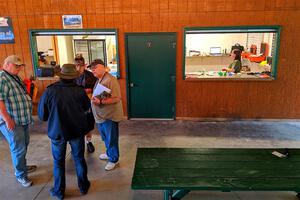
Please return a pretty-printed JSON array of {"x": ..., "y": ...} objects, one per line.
[{"x": 64, "y": 105}]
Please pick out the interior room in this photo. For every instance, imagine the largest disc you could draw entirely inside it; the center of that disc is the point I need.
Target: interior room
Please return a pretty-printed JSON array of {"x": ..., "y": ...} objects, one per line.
[
  {"x": 56, "y": 50},
  {"x": 208, "y": 55}
]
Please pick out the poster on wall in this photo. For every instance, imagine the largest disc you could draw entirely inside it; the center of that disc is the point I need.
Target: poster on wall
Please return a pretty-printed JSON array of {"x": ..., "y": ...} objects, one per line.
[
  {"x": 6, "y": 31},
  {"x": 72, "y": 21}
]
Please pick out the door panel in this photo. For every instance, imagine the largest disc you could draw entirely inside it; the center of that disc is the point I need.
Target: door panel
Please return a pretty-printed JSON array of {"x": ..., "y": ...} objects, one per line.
[
  {"x": 151, "y": 65},
  {"x": 97, "y": 48}
]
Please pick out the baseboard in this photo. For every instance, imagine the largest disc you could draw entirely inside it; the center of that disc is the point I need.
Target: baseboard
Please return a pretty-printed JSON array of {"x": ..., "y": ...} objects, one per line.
[{"x": 218, "y": 119}]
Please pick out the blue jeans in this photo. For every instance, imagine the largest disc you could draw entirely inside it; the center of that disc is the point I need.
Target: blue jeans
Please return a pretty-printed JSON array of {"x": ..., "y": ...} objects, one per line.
[
  {"x": 18, "y": 140},
  {"x": 59, "y": 154},
  {"x": 109, "y": 131}
]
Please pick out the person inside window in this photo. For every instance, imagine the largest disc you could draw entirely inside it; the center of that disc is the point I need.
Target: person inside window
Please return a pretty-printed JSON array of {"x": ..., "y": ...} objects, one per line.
[
  {"x": 86, "y": 80},
  {"x": 236, "y": 65}
]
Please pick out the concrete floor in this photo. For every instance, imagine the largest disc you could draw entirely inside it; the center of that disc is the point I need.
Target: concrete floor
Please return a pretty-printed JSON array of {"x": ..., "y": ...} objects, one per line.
[{"x": 115, "y": 185}]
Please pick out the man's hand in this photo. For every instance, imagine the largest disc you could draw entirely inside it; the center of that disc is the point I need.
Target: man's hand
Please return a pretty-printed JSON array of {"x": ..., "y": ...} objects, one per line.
[
  {"x": 107, "y": 101},
  {"x": 88, "y": 90},
  {"x": 10, "y": 124},
  {"x": 96, "y": 101}
]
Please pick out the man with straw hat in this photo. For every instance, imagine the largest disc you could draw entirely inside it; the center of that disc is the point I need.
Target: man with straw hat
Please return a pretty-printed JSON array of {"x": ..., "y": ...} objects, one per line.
[{"x": 64, "y": 105}]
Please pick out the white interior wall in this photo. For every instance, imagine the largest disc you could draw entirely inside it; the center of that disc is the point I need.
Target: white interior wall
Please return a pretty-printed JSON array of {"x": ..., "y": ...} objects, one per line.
[
  {"x": 44, "y": 43},
  {"x": 203, "y": 42},
  {"x": 65, "y": 48},
  {"x": 268, "y": 38}
]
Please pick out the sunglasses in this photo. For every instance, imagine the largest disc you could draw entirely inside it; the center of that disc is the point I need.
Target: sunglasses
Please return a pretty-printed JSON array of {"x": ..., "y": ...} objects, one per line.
[
  {"x": 94, "y": 67},
  {"x": 19, "y": 66},
  {"x": 80, "y": 65}
]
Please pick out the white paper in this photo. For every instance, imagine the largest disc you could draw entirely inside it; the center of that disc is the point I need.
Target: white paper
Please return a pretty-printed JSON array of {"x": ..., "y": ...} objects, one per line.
[
  {"x": 99, "y": 89},
  {"x": 278, "y": 154}
]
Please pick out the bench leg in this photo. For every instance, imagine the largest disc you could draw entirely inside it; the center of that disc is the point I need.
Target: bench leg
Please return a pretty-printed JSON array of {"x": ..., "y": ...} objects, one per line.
[
  {"x": 179, "y": 194},
  {"x": 168, "y": 194},
  {"x": 298, "y": 195}
]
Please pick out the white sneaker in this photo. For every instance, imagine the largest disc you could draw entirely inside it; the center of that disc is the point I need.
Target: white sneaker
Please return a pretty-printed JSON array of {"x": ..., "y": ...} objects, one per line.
[
  {"x": 103, "y": 156},
  {"x": 110, "y": 166},
  {"x": 25, "y": 182}
]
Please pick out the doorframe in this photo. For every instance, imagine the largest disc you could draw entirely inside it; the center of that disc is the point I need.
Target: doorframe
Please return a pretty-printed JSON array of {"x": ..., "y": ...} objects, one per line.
[{"x": 128, "y": 71}]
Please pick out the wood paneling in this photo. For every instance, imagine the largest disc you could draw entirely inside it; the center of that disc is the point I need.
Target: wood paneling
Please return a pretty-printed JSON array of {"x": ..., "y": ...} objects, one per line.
[{"x": 198, "y": 99}]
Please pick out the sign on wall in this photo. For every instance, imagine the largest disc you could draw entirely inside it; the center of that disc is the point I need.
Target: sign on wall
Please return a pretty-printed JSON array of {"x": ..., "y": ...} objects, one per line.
[
  {"x": 72, "y": 21},
  {"x": 6, "y": 31}
]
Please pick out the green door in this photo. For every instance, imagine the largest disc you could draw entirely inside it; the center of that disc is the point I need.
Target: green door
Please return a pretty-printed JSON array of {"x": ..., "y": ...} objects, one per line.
[{"x": 151, "y": 60}]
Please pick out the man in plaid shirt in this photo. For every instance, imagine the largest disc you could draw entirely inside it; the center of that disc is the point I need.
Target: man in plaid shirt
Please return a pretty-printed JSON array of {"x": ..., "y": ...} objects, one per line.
[{"x": 15, "y": 116}]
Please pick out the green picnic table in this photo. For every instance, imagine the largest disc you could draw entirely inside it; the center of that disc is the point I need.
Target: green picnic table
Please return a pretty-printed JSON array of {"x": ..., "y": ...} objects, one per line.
[{"x": 177, "y": 171}]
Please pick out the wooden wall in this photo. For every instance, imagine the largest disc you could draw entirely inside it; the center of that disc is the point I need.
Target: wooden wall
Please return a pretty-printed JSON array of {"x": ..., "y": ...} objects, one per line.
[{"x": 195, "y": 99}]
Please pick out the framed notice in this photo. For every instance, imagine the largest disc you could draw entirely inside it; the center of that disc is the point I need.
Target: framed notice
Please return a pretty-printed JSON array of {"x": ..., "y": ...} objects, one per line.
[
  {"x": 6, "y": 31},
  {"x": 72, "y": 21}
]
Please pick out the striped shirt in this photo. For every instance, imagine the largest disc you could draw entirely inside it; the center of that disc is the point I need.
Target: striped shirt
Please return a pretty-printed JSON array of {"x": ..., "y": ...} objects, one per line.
[{"x": 17, "y": 102}]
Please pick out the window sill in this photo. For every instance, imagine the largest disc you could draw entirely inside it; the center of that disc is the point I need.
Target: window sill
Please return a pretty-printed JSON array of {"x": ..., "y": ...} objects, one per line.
[
  {"x": 230, "y": 79},
  {"x": 47, "y": 78}
]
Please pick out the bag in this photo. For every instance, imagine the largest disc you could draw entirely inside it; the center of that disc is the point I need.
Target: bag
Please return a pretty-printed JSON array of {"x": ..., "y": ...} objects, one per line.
[
  {"x": 237, "y": 46},
  {"x": 90, "y": 119}
]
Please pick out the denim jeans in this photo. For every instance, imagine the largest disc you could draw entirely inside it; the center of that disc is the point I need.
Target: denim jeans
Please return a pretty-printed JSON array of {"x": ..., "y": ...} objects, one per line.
[
  {"x": 18, "y": 140},
  {"x": 59, "y": 154},
  {"x": 109, "y": 131}
]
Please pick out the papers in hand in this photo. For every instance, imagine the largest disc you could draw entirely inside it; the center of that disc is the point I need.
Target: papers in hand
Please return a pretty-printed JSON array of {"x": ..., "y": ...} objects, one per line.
[{"x": 100, "y": 89}]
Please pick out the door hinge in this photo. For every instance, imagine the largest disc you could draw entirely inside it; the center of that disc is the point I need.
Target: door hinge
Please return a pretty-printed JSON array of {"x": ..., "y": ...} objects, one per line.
[{"x": 149, "y": 44}]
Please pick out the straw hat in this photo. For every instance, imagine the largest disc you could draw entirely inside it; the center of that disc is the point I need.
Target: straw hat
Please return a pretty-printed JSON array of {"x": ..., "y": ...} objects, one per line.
[{"x": 68, "y": 71}]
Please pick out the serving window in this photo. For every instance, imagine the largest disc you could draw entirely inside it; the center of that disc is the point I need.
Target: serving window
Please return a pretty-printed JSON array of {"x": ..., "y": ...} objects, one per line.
[
  {"x": 231, "y": 53},
  {"x": 52, "y": 48}
]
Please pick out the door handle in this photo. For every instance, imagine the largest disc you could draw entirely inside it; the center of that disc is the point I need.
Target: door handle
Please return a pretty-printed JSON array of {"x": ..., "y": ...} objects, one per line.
[{"x": 132, "y": 85}]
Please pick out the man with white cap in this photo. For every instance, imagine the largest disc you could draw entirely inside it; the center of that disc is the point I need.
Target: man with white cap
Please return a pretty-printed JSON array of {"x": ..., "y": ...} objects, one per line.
[{"x": 15, "y": 116}]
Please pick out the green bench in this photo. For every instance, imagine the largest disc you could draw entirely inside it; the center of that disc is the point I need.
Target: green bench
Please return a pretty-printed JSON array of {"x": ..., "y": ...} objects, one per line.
[{"x": 177, "y": 171}]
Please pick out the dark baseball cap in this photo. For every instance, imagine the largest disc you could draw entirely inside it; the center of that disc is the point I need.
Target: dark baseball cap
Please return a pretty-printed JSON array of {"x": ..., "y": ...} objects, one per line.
[{"x": 97, "y": 62}]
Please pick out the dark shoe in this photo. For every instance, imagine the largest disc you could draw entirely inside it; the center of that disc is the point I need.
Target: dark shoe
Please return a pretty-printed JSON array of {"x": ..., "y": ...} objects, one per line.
[
  {"x": 55, "y": 195},
  {"x": 86, "y": 188},
  {"x": 90, "y": 147},
  {"x": 31, "y": 168}
]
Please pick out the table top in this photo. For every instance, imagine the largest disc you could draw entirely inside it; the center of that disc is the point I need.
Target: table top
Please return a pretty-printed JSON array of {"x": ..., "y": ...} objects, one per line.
[{"x": 216, "y": 169}]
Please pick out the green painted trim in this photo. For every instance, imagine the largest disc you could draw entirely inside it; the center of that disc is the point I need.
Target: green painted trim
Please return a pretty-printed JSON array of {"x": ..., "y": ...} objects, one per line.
[
  {"x": 183, "y": 55},
  {"x": 127, "y": 75},
  {"x": 74, "y": 30},
  {"x": 239, "y": 29},
  {"x": 117, "y": 53},
  {"x": 276, "y": 52},
  {"x": 246, "y": 28},
  {"x": 174, "y": 114},
  {"x": 33, "y": 50}
]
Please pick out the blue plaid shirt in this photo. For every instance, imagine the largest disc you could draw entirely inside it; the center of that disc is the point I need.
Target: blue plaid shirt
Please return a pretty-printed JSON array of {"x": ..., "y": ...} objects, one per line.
[{"x": 17, "y": 102}]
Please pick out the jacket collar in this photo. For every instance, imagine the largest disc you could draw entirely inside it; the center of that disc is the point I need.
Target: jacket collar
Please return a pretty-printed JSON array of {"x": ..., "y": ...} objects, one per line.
[{"x": 64, "y": 84}]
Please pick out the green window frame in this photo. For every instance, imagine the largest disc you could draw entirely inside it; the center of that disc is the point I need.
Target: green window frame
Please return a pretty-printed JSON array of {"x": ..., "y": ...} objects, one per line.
[
  {"x": 33, "y": 33},
  {"x": 276, "y": 29}
]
